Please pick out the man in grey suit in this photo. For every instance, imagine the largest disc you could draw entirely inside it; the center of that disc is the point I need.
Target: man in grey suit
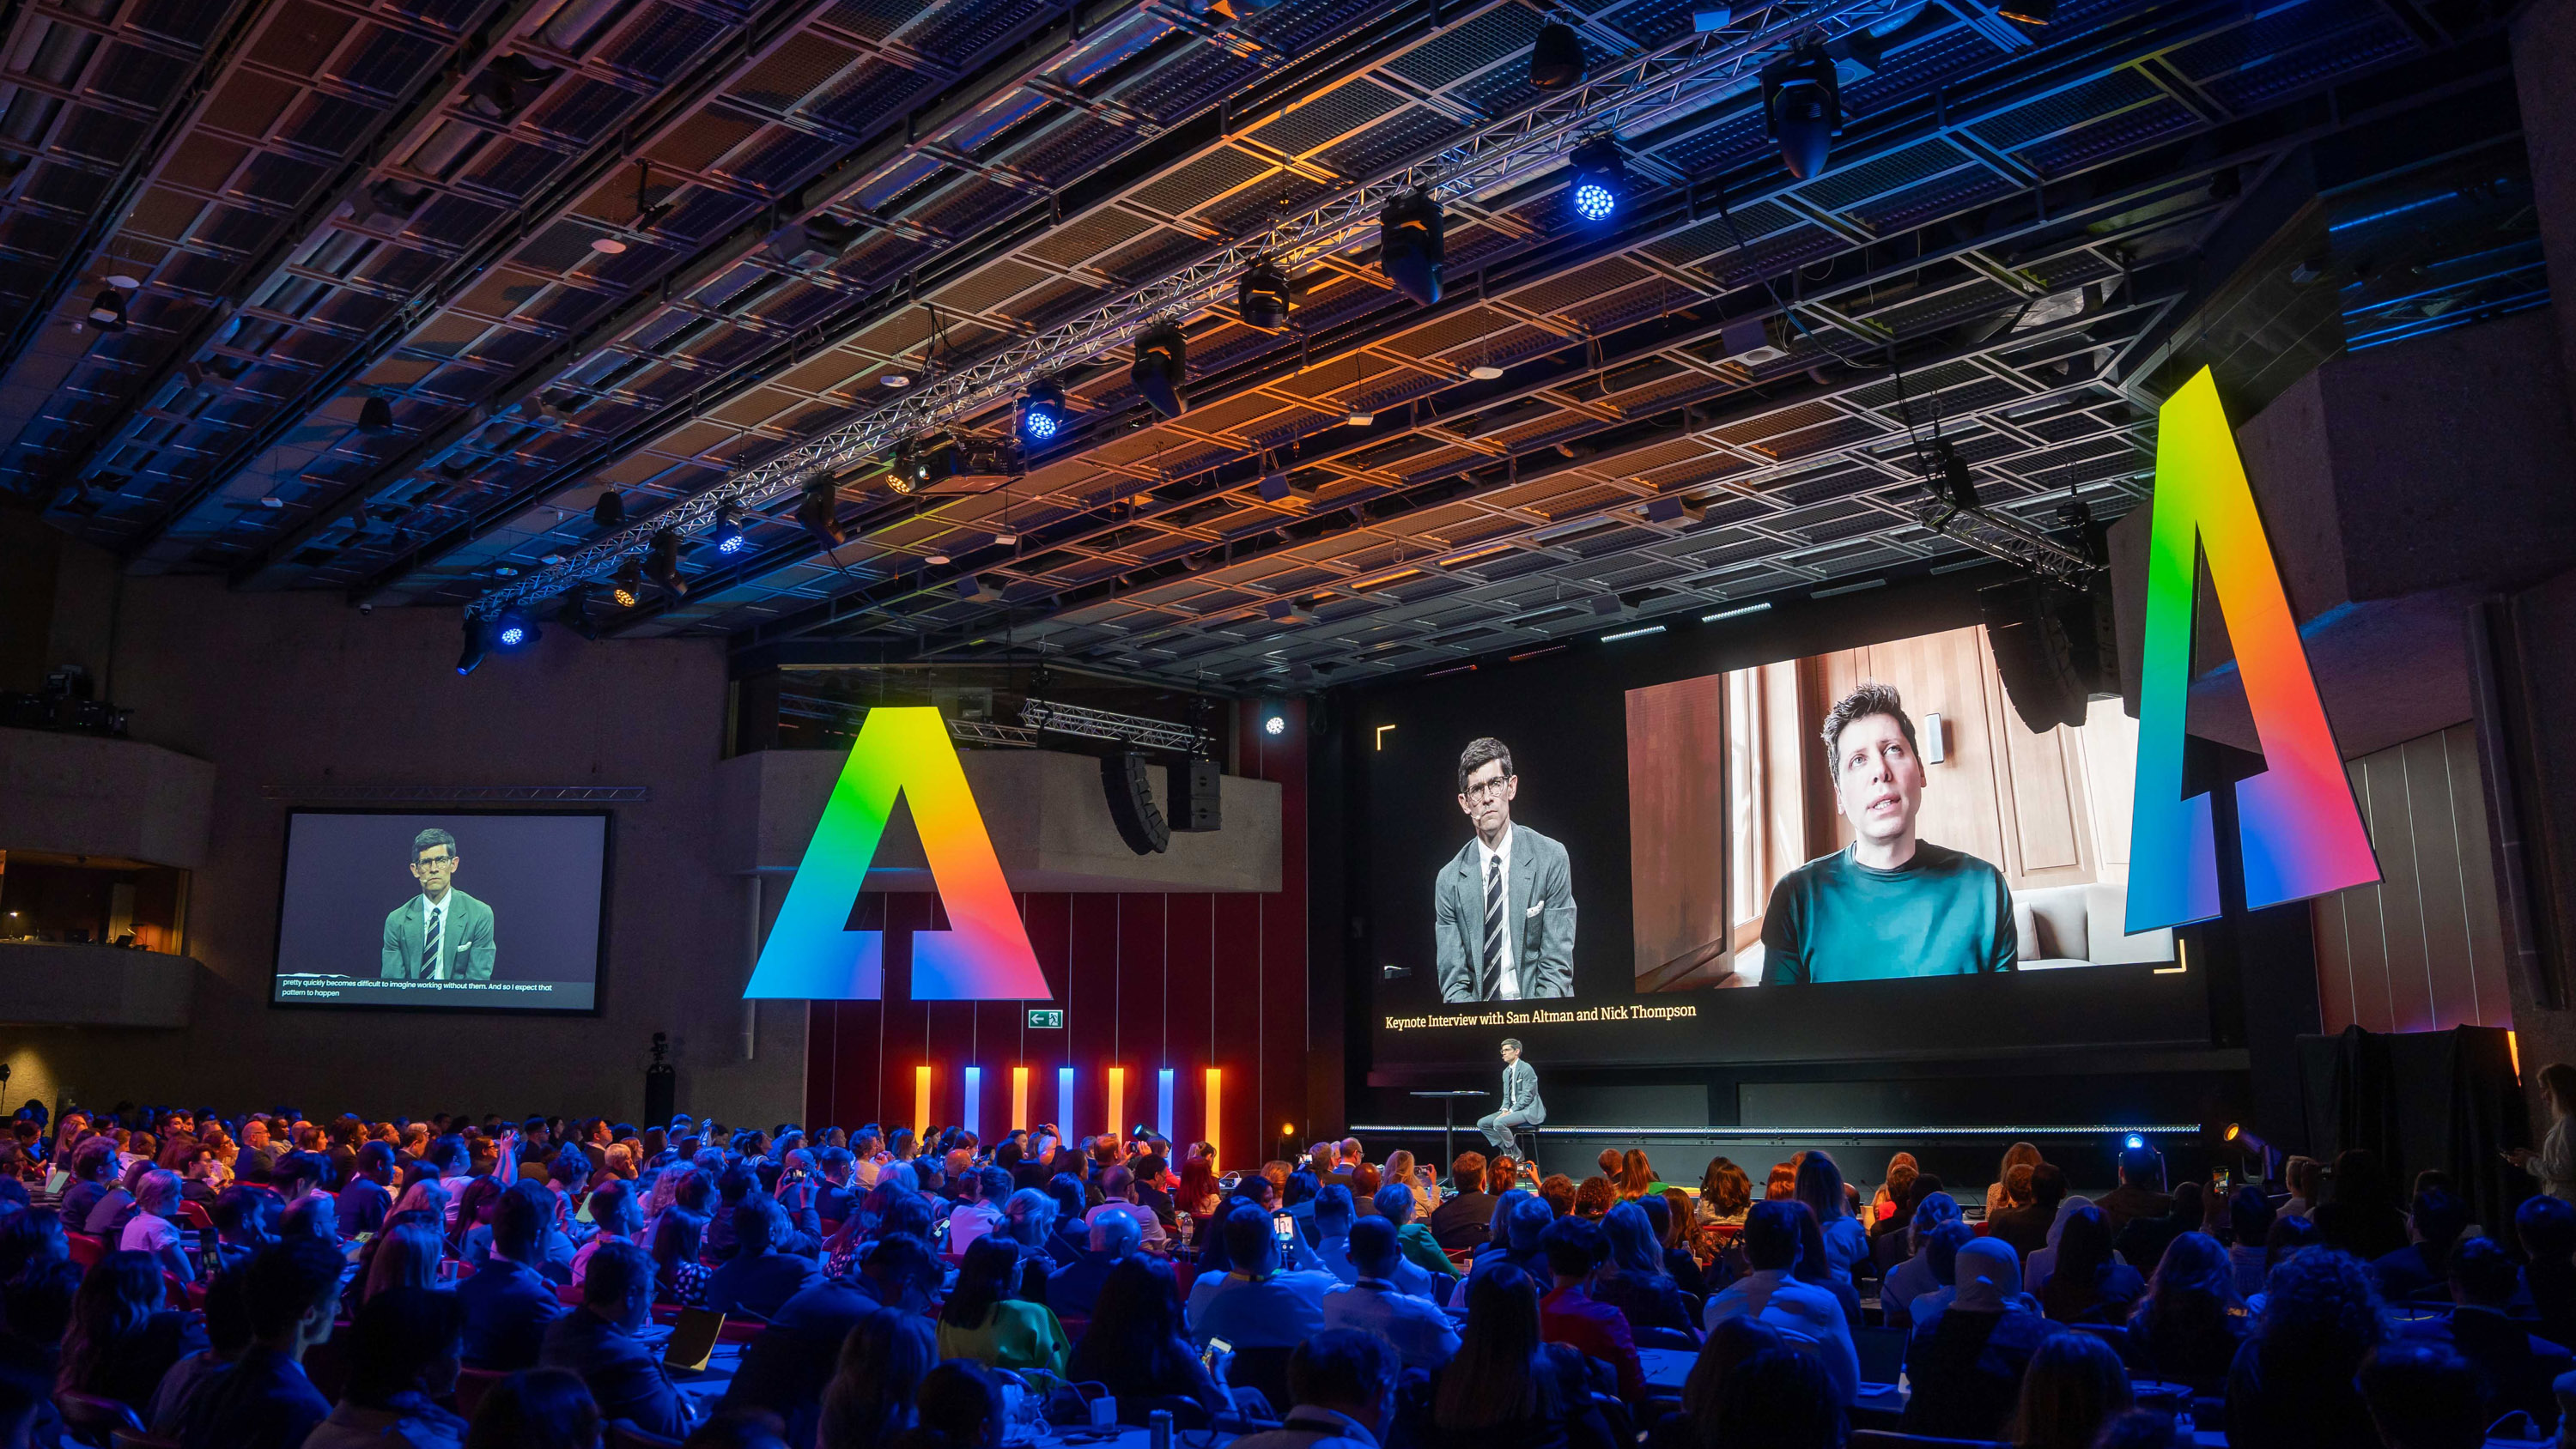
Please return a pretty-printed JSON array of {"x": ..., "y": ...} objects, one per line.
[
  {"x": 442, "y": 934},
  {"x": 1503, "y": 907},
  {"x": 1521, "y": 1106}
]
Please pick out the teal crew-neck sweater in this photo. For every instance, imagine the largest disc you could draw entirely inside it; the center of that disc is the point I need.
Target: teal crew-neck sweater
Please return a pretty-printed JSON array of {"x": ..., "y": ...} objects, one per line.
[{"x": 1942, "y": 913}]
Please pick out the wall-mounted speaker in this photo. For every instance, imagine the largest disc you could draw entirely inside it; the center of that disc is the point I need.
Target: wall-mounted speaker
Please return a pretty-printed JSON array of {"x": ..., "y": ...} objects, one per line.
[
  {"x": 1131, "y": 804},
  {"x": 1193, "y": 788},
  {"x": 2050, "y": 647}
]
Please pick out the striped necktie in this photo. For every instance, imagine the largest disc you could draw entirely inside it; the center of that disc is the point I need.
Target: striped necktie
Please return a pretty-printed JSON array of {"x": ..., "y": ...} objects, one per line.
[
  {"x": 435, "y": 968},
  {"x": 1493, "y": 928}
]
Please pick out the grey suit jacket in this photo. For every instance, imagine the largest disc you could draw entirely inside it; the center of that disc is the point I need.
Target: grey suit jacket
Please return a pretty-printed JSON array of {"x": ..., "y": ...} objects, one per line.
[
  {"x": 1538, "y": 905},
  {"x": 1520, "y": 1091},
  {"x": 464, "y": 938}
]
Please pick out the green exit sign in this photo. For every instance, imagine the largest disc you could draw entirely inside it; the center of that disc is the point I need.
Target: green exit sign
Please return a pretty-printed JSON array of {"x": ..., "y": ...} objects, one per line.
[{"x": 1043, "y": 1020}]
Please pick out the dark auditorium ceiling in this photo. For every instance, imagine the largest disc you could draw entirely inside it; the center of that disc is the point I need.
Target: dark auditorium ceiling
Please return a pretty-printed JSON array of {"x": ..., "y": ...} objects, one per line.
[{"x": 395, "y": 288}]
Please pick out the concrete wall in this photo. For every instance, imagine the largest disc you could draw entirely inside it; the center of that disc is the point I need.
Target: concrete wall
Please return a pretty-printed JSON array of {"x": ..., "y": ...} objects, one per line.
[
  {"x": 67, "y": 794},
  {"x": 299, "y": 690}
]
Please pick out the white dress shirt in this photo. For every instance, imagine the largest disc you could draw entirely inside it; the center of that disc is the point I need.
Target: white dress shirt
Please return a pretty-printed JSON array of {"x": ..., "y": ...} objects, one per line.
[
  {"x": 435, "y": 910},
  {"x": 1424, "y": 1337},
  {"x": 1487, "y": 857}
]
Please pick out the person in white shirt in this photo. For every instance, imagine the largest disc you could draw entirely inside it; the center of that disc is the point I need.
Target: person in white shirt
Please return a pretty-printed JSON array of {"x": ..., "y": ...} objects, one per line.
[
  {"x": 975, "y": 1215},
  {"x": 1256, "y": 1305},
  {"x": 152, "y": 1229},
  {"x": 1808, "y": 1317},
  {"x": 1424, "y": 1336},
  {"x": 1344, "y": 1385}
]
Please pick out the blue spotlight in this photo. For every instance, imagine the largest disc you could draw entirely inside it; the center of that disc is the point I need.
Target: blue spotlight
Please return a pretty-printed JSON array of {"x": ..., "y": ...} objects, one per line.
[
  {"x": 514, "y": 630},
  {"x": 1600, "y": 179},
  {"x": 2133, "y": 1141},
  {"x": 728, "y": 535},
  {"x": 1042, "y": 411}
]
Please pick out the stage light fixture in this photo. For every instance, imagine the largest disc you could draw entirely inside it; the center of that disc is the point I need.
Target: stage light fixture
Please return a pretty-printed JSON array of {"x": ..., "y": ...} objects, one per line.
[
  {"x": 627, "y": 584},
  {"x": 478, "y": 642},
  {"x": 1599, "y": 180},
  {"x": 818, "y": 511},
  {"x": 2133, "y": 1142},
  {"x": 1410, "y": 244},
  {"x": 1274, "y": 725},
  {"x": 1556, "y": 58},
  {"x": 375, "y": 415},
  {"x": 1162, "y": 364},
  {"x": 573, "y": 608},
  {"x": 1042, "y": 414},
  {"x": 608, "y": 510},
  {"x": 2029, "y": 12},
  {"x": 662, "y": 564},
  {"x": 818, "y": 240},
  {"x": 1261, "y": 299},
  {"x": 1802, "y": 106},
  {"x": 1952, "y": 482},
  {"x": 728, "y": 534},
  {"x": 516, "y": 630},
  {"x": 107, "y": 311},
  {"x": 507, "y": 86}
]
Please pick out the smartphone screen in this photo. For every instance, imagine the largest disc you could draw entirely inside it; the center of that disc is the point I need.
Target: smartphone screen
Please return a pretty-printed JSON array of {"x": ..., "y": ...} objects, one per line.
[
  {"x": 1284, "y": 1228},
  {"x": 1217, "y": 1348}
]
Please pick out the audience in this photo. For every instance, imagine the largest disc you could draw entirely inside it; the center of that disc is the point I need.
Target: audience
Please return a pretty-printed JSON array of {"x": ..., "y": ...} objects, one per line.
[
  {"x": 2515, "y": 1368},
  {"x": 2292, "y": 1383},
  {"x": 1506, "y": 1385},
  {"x": 2187, "y": 1327},
  {"x": 508, "y": 1301},
  {"x": 291, "y": 1290},
  {"x": 1577, "y": 1251},
  {"x": 982, "y": 1321},
  {"x": 1422, "y": 1336},
  {"x": 2074, "y": 1385},
  {"x": 1965, "y": 1358},
  {"x": 763, "y": 1272},
  {"x": 1255, "y": 1304},
  {"x": 877, "y": 1374},
  {"x": 1727, "y": 1347},
  {"x": 1808, "y": 1318},
  {"x": 537, "y": 1409},
  {"x": 600, "y": 1342},
  {"x": 121, "y": 1340},
  {"x": 2423, "y": 1396},
  {"x": 1342, "y": 1382},
  {"x": 404, "y": 1348}
]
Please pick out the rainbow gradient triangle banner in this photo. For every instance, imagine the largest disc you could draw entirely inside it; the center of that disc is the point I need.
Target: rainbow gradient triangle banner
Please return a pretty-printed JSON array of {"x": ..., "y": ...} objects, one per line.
[
  {"x": 984, "y": 955},
  {"x": 2302, "y": 834}
]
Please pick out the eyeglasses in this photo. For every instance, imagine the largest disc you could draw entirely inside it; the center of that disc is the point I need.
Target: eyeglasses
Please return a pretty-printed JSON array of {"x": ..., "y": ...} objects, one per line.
[{"x": 1488, "y": 789}]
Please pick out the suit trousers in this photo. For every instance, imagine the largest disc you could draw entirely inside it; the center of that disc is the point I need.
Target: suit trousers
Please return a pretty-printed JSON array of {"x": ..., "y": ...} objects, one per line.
[{"x": 1499, "y": 1129}]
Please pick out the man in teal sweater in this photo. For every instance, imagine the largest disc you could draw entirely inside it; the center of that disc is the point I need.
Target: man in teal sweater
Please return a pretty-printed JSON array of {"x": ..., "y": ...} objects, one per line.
[{"x": 1889, "y": 904}]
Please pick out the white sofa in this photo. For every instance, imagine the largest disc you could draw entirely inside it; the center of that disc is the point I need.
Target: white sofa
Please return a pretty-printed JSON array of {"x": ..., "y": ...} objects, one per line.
[{"x": 2082, "y": 925}]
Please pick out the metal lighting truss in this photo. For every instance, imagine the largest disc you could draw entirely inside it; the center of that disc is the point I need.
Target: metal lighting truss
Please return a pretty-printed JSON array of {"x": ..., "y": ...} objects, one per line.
[
  {"x": 2002, "y": 536},
  {"x": 1631, "y": 94},
  {"x": 1102, "y": 724}
]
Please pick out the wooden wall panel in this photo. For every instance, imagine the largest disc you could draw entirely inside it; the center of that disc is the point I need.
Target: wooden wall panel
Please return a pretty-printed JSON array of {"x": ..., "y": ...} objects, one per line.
[
  {"x": 1677, "y": 821},
  {"x": 2422, "y": 950}
]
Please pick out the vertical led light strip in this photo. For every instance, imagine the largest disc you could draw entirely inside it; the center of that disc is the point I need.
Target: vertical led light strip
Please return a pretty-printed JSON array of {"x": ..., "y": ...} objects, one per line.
[
  {"x": 974, "y": 1118},
  {"x": 984, "y": 955},
  {"x": 1215, "y": 1096},
  {"x": 1163, "y": 1102},
  {"x": 1019, "y": 1100},
  {"x": 921, "y": 1105},
  {"x": 2301, "y": 831},
  {"x": 1118, "y": 1102},
  {"x": 1064, "y": 1122}
]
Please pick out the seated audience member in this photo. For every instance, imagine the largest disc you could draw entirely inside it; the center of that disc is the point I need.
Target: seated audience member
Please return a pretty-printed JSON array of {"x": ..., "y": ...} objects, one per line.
[
  {"x": 508, "y": 1302},
  {"x": 365, "y": 1203},
  {"x": 1334, "y": 1212},
  {"x": 1119, "y": 1188},
  {"x": 959, "y": 1406},
  {"x": 2514, "y": 1366},
  {"x": 36, "y": 1312},
  {"x": 245, "y": 1221},
  {"x": 2421, "y": 1269},
  {"x": 153, "y": 1230},
  {"x": 599, "y": 1341},
  {"x": 1813, "y": 1267},
  {"x": 761, "y": 1275},
  {"x": 880, "y": 1367},
  {"x": 537, "y": 1409},
  {"x": 2360, "y": 1215},
  {"x": 1256, "y": 1304},
  {"x": 1422, "y": 1267},
  {"x": 1028, "y": 1224},
  {"x": 1075, "y": 1287},
  {"x": 1465, "y": 1220},
  {"x": 2141, "y": 1193},
  {"x": 2075, "y": 1384},
  {"x": 1730, "y": 1345},
  {"x": 2423, "y": 1396},
  {"x": 1592, "y": 1197},
  {"x": 1568, "y": 1314},
  {"x": 227, "y": 1334},
  {"x": 1846, "y": 1241},
  {"x": 678, "y": 1235},
  {"x": 33, "y": 1236},
  {"x": 619, "y": 1217},
  {"x": 2034, "y": 1194},
  {"x": 1423, "y": 1336},
  {"x": 1134, "y": 1347},
  {"x": 1343, "y": 1384},
  {"x": 2292, "y": 1384},
  {"x": 403, "y": 1350},
  {"x": 974, "y": 1216},
  {"x": 2186, "y": 1329},
  {"x": 983, "y": 1322},
  {"x": 786, "y": 1368},
  {"x": 122, "y": 1340},
  {"x": 264, "y": 1401},
  {"x": 1506, "y": 1385},
  {"x": 1965, "y": 1361},
  {"x": 2143, "y": 1241},
  {"x": 2089, "y": 1284},
  {"x": 1635, "y": 1281},
  {"x": 107, "y": 1218},
  {"x": 1809, "y": 1318},
  {"x": 2249, "y": 1223},
  {"x": 95, "y": 1172},
  {"x": 1519, "y": 1219},
  {"x": 1725, "y": 1195},
  {"x": 2546, "y": 1227},
  {"x": 1779, "y": 1399},
  {"x": 1912, "y": 1278}
]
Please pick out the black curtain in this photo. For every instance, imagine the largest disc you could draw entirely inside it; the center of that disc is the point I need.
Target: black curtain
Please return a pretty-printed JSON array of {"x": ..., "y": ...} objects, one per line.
[{"x": 2424, "y": 1099}]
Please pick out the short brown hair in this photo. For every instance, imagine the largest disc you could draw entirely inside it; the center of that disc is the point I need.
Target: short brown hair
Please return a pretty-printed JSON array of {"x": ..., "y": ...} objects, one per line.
[
  {"x": 2018, "y": 1184},
  {"x": 1870, "y": 698},
  {"x": 1479, "y": 754},
  {"x": 1467, "y": 1174}
]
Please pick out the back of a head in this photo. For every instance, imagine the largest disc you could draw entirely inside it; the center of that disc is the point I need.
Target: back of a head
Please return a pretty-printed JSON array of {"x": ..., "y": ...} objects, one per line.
[
  {"x": 1771, "y": 1234},
  {"x": 1932, "y": 1209},
  {"x": 984, "y": 1278},
  {"x": 1342, "y": 1369},
  {"x": 1334, "y": 1209},
  {"x": 1372, "y": 1247},
  {"x": 519, "y": 1220},
  {"x": 2141, "y": 1168},
  {"x": 2481, "y": 1275},
  {"x": 37, "y": 1304},
  {"x": 618, "y": 1283},
  {"x": 1732, "y": 1343},
  {"x": 1394, "y": 1202},
  {"x": 1779, "y": 1399},
  {"x": 1941, "y": 1250},
  {"x": 1634, "y": 1246},
  {"x": 287, "y": 1280},
  {"x": 1574, "y": 1246},
  {"x": 1529, "y": 1218},
  {"x": 400, "y": 1340},
  {"x": 2440, "y": 1218},
  {"x": 959, "y": 1405},
  {"x": 2547, "y": 1227},
  {"x": 2249, "y": 1216},
  {"x": 2320, "y": 1317},
  {"x": 2074, "y": 1384},
  {"x": 537, "y": 1409},
  {"x": 1116, "y": 1232},
  {"x": 882, "y": 1362},
  {"x": 758, "y": 1224},
  {"x": 995, "y": 1184},
  {"x": 2048, "y": 1185},
  {"x": 1467, "y": 1173},
  {"x": 1246, "y": 1230},
  {"x": 2423, "y": 1396},
  {"x": 1492, "y": 1380},
  {"x": 1820, "y": 1186}
]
